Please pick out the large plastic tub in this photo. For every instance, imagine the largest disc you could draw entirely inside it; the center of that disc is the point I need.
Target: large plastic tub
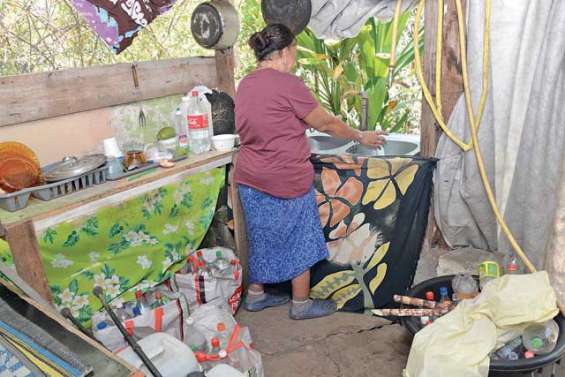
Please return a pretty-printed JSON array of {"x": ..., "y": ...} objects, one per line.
[{"x": 497, "y": 367}]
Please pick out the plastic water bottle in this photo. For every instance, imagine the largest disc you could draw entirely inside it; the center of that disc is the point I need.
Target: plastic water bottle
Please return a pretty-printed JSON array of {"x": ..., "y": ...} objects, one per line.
[
  {"x": 194, "y": 338},
  {"x": 541, "y": 338},
  {"x": 511, "y": 350},
  {"x": 444, "y": 300},
  {"x": 198, "y": 128},
  {"x": 489, "y": 269}
]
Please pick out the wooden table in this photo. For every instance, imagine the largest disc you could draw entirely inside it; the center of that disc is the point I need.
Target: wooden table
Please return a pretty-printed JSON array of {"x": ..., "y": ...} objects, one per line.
[{"x": 19, "y": 228}]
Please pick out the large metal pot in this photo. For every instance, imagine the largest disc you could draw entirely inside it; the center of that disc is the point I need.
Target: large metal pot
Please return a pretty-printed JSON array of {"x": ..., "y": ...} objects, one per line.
[
  {"x": 215, "y": 24},
  {"x": 295, "y": 14}
]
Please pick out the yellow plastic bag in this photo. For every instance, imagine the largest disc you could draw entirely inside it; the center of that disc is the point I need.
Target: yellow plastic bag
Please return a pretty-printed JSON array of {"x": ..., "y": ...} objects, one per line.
[{"x": 459, "y": 343}]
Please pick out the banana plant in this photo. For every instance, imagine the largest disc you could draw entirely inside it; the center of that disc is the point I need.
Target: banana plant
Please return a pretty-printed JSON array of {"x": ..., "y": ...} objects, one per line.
[{"x": 339, "y": 71}]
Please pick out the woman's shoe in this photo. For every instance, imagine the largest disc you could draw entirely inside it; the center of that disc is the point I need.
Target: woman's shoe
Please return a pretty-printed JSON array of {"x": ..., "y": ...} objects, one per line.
[
  {"x": 264, "y": 301},
  {"x": 312, "y": 309}
]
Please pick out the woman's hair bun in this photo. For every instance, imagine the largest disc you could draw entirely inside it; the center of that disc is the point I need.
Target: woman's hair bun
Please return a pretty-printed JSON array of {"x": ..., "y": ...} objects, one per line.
[
  {"x": 258, "y": 42},
  {"x": 272, "y": 38}
]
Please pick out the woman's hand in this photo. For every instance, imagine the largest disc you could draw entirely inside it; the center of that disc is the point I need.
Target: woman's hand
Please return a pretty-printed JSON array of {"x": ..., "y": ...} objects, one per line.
[{"x": 372, "y": 138}]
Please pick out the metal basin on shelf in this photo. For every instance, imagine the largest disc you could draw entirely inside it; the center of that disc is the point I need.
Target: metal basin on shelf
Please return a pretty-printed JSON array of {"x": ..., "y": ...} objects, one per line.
[{"x": 324, "y": 143}]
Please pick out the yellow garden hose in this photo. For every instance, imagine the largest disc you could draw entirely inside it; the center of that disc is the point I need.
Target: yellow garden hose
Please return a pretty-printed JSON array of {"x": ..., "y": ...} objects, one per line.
[
  {"x": 395, "y": 20},
  {"x": 474, "y": 121}
]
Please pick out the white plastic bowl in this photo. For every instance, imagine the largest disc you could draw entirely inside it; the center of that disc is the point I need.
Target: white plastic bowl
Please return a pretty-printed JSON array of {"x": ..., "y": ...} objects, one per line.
[{"x": 223, "y": 143}]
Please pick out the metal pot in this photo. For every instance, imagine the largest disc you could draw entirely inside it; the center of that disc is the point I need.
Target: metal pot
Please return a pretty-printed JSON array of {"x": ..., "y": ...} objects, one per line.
[
  {"x": 295, "y": 14},
  {"x": 215, "y": 24}
]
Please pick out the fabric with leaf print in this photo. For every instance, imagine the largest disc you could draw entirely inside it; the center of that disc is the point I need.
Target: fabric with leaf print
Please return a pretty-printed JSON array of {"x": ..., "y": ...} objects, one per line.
[
  {"x": 139, "y": 242},
  {"x": 373, "y": 212}
]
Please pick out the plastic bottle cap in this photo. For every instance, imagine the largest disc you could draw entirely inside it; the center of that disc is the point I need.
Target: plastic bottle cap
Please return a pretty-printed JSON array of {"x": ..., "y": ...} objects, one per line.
[
  {"x": 101, "y": 325},
  {"x": 529, "y": 355},
  {"x": 136, "y": 312},
  {"x": 215, "y": 342},
  {"x": 190, "y": 321},
  {"x": 194, "y": 93},
  {"x": 158, "y": 295},
  {"x": 430, "y": 296},
  {"x": 536, "y": 343},
  {"x": 138, "y": 294},
  {"x": 443, "y": 291},
  {"x": 223, "y": 354},
  {"x": 221, "y": 327},
  {"x": 219, "y": 254}
]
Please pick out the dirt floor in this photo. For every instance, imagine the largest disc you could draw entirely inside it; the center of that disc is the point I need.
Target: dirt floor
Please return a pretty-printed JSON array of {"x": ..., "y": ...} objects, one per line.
[{"x": 347, "y": 345}]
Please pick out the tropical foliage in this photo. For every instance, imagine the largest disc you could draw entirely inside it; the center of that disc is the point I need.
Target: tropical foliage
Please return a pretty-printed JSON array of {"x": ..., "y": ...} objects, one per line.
[{"x": 339, "y": 71}]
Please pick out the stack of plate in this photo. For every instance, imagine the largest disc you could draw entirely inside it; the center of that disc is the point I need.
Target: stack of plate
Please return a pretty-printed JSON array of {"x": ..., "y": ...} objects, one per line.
[{"x": 19, "y": 167}]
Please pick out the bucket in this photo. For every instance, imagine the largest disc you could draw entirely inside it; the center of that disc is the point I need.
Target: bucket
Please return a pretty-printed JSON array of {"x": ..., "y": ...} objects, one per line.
[{"x": 497, "y": 367}]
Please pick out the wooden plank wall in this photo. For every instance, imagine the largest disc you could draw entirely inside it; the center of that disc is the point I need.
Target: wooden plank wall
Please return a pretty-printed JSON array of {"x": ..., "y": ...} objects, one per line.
[{"x": 31, "y": 97}]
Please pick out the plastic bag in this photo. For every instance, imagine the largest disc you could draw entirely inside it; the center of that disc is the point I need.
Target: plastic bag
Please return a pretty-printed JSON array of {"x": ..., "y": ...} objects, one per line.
[{"x": 206, "y": 280}]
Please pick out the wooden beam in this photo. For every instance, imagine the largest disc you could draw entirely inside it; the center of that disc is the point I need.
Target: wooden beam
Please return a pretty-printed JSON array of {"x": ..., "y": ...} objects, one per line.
[
  {"x": 27, "y": 258},
  {"x": 36, "y": 96}
]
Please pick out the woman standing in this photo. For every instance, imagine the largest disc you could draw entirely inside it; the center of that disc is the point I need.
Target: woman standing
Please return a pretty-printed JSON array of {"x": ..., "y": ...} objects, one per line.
[{"x": 273, "y": 109}]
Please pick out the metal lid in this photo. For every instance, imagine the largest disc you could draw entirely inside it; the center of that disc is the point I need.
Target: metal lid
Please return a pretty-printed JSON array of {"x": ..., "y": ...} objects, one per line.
[{"x": 71, "y": 167}]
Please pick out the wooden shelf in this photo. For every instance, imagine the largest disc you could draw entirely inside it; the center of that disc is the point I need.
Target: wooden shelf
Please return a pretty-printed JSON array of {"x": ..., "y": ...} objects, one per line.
[{"x": 45, "y": 214}]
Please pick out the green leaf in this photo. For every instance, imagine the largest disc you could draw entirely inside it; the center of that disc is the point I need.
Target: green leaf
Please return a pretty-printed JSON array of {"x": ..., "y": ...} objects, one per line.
[
  {"x": 72, "y": 239},
  {"x": 73, "y": 286},
  {"x": 115, "y": 230}
]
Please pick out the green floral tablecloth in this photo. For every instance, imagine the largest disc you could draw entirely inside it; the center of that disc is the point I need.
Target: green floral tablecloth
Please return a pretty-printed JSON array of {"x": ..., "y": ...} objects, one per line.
[{"x": 137, "y": 243}]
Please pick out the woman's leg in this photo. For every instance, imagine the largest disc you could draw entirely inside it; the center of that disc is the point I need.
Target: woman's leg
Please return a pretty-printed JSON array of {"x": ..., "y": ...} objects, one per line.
[{"x": 302, "y": 306}]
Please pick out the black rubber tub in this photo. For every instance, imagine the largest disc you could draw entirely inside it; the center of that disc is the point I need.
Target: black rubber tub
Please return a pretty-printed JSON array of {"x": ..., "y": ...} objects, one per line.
[{"x": 497, "y": 367}]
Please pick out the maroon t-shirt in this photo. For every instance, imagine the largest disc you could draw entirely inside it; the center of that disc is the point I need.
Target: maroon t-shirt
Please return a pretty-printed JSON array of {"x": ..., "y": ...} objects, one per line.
[{"x": 274, "y": 156}]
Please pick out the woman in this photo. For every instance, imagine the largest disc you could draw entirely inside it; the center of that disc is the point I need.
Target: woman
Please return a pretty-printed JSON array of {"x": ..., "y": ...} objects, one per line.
[{"x": 273, "y": 109}]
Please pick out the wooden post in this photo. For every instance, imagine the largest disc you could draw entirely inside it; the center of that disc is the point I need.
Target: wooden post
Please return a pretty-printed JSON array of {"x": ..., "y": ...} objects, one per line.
[
  {"x": 451, "y": 76},
  {"x": 225, "y": 71},
  {"x": 451, "y": 87},
  {"x": 240, "y": 231},
  {"x": 27, "y": 258},
  {"x": 429, "y": 133}
]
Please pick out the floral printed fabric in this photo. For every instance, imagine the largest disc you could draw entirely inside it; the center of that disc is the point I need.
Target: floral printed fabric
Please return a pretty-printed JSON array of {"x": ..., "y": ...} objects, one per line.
[
  {"x": 374, "y": 214},
  {"x": 135, "y": 244}
]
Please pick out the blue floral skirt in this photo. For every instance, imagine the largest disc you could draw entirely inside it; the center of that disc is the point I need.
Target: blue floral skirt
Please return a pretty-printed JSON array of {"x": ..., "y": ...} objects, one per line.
[{"x": 285, "y": 235}]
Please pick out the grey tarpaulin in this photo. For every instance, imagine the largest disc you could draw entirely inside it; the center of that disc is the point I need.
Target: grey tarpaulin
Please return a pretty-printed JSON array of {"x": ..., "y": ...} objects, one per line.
[
  {"x": 522, "y": 134},
  {"x": 338, "y": 19}
]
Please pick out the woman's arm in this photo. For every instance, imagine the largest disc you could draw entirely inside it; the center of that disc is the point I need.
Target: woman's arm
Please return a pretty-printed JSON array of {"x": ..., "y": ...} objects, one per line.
[{"x": 323, "y": 121}]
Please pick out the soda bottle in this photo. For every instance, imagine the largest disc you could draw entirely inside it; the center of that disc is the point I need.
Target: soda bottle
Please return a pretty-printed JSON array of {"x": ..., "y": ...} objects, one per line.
[
  {"x": 199, "y": 131},
  {"x": 541, "y": 338},
  {"x": 489, "y": 269}
]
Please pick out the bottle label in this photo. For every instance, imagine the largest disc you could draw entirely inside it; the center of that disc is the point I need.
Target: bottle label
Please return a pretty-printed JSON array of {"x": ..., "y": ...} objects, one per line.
[
  {"x": 489, "y": 269},
  {"x": 197, "y": 122}
]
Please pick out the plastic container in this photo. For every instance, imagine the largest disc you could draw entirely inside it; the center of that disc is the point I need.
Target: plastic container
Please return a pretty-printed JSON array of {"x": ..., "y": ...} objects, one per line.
[
  {"x": 497, "y": 367},
  {"x": 223, "y": 143},
  {"x": 464, "y": 287},
  {"x": 224, "y": 370},
  {"x": 541, "y": 338},
  {"x": 171, "y": 357},
  {"x": 489, "y": 269}
]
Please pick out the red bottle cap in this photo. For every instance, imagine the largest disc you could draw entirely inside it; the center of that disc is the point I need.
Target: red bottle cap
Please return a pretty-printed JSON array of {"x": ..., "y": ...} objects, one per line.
[
  {"x": 138, "y": 294},
  {"x": 158, "y": 295},
  {"x": 215, "y": 342},
  {"x": 430, "y": 296},
  {"x": 529, "y": 355},
  {"x": 221, "y": 327},
  {"x": 194, "y": 93}
]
